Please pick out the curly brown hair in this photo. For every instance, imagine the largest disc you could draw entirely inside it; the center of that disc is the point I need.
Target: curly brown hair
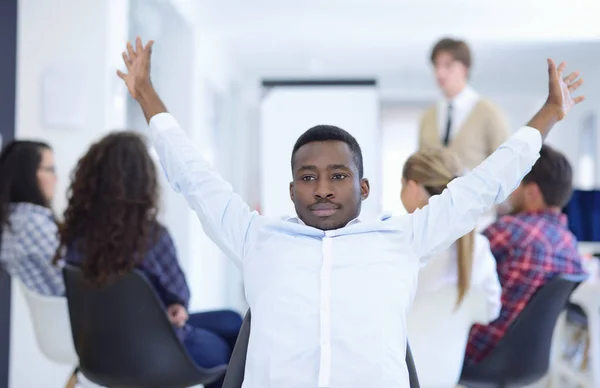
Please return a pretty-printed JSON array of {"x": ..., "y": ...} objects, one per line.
[{"x": 112, "y": 205}]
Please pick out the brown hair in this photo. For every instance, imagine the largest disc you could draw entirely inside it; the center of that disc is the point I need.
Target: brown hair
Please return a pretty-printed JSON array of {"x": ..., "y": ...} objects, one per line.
[
  {"x": 554, "y": 176},
  {"x": 434, "y": 168},
  {"x": 457, "y": 48},
  {"x": 112, "y": 205}
]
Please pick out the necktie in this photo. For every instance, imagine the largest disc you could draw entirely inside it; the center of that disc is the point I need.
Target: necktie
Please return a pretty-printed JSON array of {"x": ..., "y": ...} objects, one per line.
[{"x": 448, "y": 125}]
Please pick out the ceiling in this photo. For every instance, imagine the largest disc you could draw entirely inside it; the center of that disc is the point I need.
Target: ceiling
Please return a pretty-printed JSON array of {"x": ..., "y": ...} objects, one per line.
[
  {"x": 355, "y": 36},
  {"x": 390, "y": 40}
]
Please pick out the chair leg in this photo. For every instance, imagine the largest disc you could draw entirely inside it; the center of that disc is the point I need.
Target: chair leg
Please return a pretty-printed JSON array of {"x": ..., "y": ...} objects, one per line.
[{"x": 72, "y": 382}]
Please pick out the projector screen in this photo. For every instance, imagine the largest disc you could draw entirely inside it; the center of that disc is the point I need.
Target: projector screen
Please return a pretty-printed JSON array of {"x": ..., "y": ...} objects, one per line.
[{"x": 288, "y": 111}]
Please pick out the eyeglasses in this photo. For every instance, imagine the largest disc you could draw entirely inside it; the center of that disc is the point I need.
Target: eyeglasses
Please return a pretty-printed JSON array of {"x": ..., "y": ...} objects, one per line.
[{"x": 50, "y": 169}]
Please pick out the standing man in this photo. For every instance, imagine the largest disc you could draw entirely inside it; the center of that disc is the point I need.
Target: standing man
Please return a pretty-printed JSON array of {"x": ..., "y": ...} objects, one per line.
[
  {"x": 469, "y": 125},
  {"x": 329, "y": 291}
]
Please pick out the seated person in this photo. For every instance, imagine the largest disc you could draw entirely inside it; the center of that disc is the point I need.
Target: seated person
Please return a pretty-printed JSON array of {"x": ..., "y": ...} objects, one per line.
[
  {"x": 467, "y": 265},
  {"x": 110, "y": 228},
  {"x": 531, "y": 245},
  {"x": 29, "y": 230}
]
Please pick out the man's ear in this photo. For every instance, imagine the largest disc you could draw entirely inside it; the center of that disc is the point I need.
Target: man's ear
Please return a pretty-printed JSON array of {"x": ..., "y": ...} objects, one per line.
[
  {"x": 532, "y": 191},
  {"x": 364, "y": 188},
  {"x": 292, "y": 191}
]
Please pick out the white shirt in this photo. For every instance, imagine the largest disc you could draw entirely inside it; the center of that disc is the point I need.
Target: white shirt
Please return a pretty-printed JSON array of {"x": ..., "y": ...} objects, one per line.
[
  {"x": 329, "y": 307},
  {"x": 442, "y": 270},
  {"x": 462, "y": 106}
]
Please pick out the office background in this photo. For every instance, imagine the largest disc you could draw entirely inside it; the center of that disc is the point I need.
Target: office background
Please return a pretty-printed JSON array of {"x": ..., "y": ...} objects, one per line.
[{"x": 210, "y": 60}]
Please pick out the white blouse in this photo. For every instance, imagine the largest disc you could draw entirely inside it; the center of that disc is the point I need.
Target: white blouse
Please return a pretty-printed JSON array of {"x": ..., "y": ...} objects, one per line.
[{"x": 441, "y": 270}]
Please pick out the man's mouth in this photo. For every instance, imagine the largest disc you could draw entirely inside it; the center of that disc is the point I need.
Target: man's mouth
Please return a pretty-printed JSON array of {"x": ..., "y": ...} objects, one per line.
[{"x": 324, "y": 209}]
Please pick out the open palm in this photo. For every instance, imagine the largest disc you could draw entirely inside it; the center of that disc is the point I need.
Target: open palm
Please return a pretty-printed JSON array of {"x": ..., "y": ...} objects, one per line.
[
  {"x": 138, "y": 66},
  {"x": 560, "y": 93}
]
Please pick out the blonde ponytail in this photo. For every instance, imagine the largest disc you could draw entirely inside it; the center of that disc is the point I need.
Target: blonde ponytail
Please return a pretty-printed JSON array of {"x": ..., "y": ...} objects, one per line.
[{"x": 434, "y": 169}]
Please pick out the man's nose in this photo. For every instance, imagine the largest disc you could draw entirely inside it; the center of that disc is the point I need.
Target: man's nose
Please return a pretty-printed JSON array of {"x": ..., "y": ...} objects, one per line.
[{"x": 324, "y": 189}]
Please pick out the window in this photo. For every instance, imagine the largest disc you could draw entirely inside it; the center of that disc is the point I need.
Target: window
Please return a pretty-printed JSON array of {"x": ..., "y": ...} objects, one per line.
[{"x": 586, "y": 163}]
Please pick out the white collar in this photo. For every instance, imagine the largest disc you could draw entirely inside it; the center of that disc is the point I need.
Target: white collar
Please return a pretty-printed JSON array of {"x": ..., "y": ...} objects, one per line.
[
  {"x": 297, "y": 220},
  {"x": 357, "y": 220},
  {"x": 464, "y": 97}
]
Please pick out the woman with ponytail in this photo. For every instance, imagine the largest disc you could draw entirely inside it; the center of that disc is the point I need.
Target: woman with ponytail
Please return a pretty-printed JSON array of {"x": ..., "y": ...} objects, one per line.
[{"x": 468, "y": 264}]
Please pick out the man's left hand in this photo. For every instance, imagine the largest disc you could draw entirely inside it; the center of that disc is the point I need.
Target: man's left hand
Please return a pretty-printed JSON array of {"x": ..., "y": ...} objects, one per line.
[{"x": 560, "y": 93}]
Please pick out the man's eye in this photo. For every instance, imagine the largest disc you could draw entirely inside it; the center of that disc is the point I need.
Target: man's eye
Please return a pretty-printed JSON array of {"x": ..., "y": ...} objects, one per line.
[
  {"x": 308, "y": 178},
  {"x": 340, "y": 176}
]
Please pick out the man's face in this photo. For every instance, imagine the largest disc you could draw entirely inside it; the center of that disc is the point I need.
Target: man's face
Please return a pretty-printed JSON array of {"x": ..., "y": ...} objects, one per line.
[
  {"x": 326, "y": 190},
  {"x": 450, "y": 74}
]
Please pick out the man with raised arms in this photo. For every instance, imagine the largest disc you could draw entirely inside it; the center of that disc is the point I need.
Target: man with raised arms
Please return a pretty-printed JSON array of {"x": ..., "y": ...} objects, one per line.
[{"x": 329, "y": 291}]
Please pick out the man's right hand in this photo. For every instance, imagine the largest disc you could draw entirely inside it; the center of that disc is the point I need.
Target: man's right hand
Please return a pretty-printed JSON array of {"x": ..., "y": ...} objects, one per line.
[
  {"x": 137, "y": 78},
  {"x": 137, "y": 62}
]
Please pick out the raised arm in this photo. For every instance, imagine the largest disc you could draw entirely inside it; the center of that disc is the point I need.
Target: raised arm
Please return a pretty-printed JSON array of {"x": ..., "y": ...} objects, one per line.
[
  {"x": 456, "y": 211},
  {"x": 225, "y": 218}
]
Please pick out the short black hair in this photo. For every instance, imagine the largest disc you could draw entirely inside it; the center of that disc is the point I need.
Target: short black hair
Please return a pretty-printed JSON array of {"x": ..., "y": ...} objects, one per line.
[
  {"x": 554, "y": 176},
  {"x": 331, "y": 132}
]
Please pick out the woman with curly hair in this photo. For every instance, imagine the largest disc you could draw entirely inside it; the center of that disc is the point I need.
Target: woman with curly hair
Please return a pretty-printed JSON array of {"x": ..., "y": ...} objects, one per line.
[{"x": 110, "y": 228}]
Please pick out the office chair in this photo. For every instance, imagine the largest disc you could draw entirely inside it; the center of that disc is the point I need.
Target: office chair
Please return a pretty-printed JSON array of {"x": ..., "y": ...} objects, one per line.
[
  {"x": 50, "y": 318},
  {"x": 123, "y": 337},
  {"x": 237, "y": 364},
  {"x": 523, "y": 355}
]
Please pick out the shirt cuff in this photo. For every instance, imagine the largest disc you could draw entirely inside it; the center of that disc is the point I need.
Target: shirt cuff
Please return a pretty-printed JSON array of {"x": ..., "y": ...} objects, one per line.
[
  {"x": 162, "y": 122},
  {"x": 531, "y": 136}
]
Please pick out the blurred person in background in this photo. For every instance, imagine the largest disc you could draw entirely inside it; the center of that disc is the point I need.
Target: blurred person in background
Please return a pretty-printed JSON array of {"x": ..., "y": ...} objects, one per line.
[
  {"x": 110, "y": 228},
  {"x": 468, "y": 124},
  {"x": 468, "y": 264},
  {"x": 29, "y": 229},
  {"x": 531, "y": 245}
]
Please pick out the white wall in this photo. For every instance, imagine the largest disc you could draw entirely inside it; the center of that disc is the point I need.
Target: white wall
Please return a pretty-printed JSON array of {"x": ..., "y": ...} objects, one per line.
[
  {"x": 172, "y": 70},
  {"x": 197, "y": 80},
  {"x": 81, "y": 38},
  {"x": 286, "y": 112},
  {"x": 211, "y": 274},
  {"x": 400, "y": 139}
]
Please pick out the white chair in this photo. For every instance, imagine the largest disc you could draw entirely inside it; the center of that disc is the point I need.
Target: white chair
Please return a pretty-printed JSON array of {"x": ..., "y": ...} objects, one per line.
[
  {"x": 438, "y": 334},
  {"x": 52, "y": 326}
]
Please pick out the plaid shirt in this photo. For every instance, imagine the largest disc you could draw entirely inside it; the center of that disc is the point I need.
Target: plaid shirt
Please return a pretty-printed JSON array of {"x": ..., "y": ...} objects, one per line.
[
  {"x": 530, "y": 249},
  {"x": 160, "y": 266},
  {"x": 28, "y": 246}
]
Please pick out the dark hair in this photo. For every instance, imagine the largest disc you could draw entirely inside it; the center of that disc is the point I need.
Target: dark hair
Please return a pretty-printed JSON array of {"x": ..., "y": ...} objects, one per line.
[
  {"x": 553, "y": 174},
  {"x": 19, "y": 164},
  {"x": 331, "y": 132},
  {"x": 457, "y": 48},
  {"x": 112, "y": 205}
]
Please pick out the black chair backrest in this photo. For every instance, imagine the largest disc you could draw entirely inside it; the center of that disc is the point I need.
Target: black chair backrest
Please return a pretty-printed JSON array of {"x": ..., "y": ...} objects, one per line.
[
  {"x": 508, "y": 362},
  {"x": 123, "y": 337},
  {"x": 237, "y": 364}
]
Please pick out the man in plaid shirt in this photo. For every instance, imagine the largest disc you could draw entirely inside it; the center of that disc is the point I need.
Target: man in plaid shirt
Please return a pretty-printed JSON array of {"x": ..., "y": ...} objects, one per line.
[{"x": 531, "y": 245}]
